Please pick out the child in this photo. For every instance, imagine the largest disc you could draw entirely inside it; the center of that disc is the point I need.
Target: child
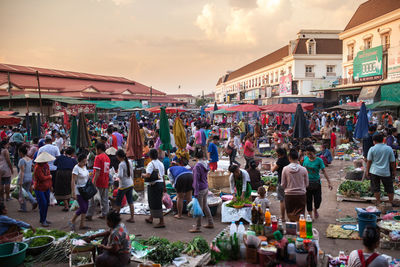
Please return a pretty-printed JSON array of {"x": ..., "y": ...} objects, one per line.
[
  {"x": 213, "y": 154},
  {"x": 190, "y": 148},
  {"x": 261, "y": 199},
  {"x": 333, "y": 141},
  {"x": 114, "y": 195}
]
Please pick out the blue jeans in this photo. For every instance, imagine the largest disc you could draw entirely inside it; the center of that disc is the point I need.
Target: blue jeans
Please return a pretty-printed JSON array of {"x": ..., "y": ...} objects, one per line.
[{"x": 43, "y": 199}]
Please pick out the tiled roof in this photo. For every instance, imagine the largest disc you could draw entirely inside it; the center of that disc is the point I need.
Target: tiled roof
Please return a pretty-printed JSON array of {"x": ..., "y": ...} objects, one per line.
[
  {"x": 324, "y": 46},
  {"x": 260, "y": 63},
  {"x": 219, "y": 81},
  {"x": 181, "y": 95},
  {"x": 370, "y": 10}
]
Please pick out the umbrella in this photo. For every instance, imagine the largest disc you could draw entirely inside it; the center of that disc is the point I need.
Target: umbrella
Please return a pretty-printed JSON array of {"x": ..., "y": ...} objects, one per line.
[
  {"x": 9, "y": 120},
  {"x": 134, "y": 145},
  {"x": 73, "y": 132},
  {"x": 83, "y": 140},
  {"x": 361, "y": 128},
  {"x": 180, "y": 139},
  {"x": 223, "y": 111},
  {"x": 28, "y": 126},
  {"x": 34, "y": 129},
  {"x": 215, "y": 106},
  {"x": 164, "y": 131},
  {"x": 167, "y": 110},
  {"x": 39, "y": 125},
  {"x": 300, "y": 129},
  {"x": 287, "y": 108},
  {"x": 245, "y": 108},
  {"x": 384, "y": 104}
]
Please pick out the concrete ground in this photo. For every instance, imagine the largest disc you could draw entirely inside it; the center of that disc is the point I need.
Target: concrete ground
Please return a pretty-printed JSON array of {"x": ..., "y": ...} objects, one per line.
[{"x": 178, "y": 229}]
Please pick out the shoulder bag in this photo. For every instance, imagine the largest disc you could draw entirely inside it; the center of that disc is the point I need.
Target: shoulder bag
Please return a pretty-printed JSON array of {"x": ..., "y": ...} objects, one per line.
[
  {"x": 154, "y": 176},
  {"x": 88, "y": 191}
]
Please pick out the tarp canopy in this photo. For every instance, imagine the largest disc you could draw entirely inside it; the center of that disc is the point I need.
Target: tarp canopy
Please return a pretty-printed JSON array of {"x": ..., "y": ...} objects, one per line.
[
  {"x": 9, "y": 120},
  {"x": 223, "y": 111},
  {"x": 287, "y": 108},
  {"x": 344, "y": 107},
  {"x": 245, "y": 108},
  {"x": 368, "y": 92},
  {"x": 384, "y": 104},
  {"x": 391, "y": 92},
  {"x": 219, "y": 107},
  {"x": 167, "y": 109},
  {"x": 117, "y": 104}
]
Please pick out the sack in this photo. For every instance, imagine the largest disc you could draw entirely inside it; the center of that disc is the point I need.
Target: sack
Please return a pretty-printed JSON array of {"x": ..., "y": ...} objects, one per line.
[
  {"x": 87, "y": 191},
  {"x": 154, "y": 176},
  {"x": 197, "y": 211},
  {"x": 166, "y": 200},
  {"x": 53, "y": 199}
]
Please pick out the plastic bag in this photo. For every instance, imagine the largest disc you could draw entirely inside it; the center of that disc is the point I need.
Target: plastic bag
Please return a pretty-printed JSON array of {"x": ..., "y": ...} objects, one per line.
[
  {"x": 75, "y": 205},
  {"x": 53, "y": 199},
  {"x": 167, "y": 201},
  {"x": 135, "y": 195},
  {"x": 197, "y": 211}
]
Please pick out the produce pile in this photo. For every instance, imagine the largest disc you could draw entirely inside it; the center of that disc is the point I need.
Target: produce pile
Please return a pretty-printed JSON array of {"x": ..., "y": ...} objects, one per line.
[
  {"x": 54, "y": 233},
  {"x": 238, "y": 202},
  {"x": 270, "y": 180},
  {"x": 163, "y": 251},
  {"x": 270, "y": 153},
  {"x": 38, "y": 242},
  {"x": 350, "y": 188}
]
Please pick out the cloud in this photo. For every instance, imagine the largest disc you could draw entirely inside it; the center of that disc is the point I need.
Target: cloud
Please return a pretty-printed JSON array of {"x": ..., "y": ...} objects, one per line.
[
  {"x": 206, "y": 21},
  {"x": 243, "y": 4}
]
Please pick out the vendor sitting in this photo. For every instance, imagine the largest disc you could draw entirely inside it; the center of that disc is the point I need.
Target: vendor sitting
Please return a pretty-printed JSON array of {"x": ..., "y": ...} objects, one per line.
[
  {"x": 115, "y": 246},
  {"x": 9, "y": 225},
  {"x": 325, "y": 155},
  {"x": 239, "y": 180}
]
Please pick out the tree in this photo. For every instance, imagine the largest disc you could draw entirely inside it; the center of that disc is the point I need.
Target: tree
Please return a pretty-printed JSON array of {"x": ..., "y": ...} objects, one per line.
[{"x": 200, "y": 102}]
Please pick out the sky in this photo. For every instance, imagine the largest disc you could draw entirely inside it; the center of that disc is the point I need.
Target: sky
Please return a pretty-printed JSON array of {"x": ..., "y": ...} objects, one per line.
[{"x": 160, "y": 43}]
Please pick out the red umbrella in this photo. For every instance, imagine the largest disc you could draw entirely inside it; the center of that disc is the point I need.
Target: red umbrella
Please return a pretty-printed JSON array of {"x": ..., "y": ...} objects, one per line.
[
  {"x": 219, "y": 107},
  {"x": 287, "y": 108},
  {"x": 9, "y": 120},
  {"x": 134, "y": 145},
  {"x": 167, "y": 110},
  {"x": 245, "y": 108}
]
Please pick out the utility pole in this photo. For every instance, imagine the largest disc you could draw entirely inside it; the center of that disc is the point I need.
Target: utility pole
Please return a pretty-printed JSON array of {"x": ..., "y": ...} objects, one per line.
[
  {"x": 9, "y": 89},
  {"x": 40, "y": 93}
]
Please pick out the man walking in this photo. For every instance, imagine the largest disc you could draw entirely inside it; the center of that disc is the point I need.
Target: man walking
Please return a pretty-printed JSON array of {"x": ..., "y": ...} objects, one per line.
[
  {"x": 381, "y": 167},
  {"x": 100, "y": 180}
]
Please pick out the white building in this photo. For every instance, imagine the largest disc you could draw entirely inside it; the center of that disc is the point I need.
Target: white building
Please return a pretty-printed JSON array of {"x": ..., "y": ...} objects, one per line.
[
  {"x": 371, "y": 54},
  {"x": 290, "y": 74}
]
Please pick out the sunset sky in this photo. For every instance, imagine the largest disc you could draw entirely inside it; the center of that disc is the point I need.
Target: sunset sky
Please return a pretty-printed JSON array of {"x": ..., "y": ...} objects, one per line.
[{"x": 162, "y": 43}]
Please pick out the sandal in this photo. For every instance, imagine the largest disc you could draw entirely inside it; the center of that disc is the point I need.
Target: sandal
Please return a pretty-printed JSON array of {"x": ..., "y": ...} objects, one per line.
[
  {"x": 148, "y": 221},
  {"x": 65, "y": 209},
  {"x": 178, "y": 217}
]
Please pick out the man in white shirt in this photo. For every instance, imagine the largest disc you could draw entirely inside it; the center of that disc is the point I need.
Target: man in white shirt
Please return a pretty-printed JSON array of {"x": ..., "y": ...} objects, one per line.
[
  {"x": 59, "y": 142},
  {"x": 52, "y": 150}
]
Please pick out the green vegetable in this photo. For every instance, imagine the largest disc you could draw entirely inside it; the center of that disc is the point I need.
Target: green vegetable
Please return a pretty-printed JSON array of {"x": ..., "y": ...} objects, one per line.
[
  {"x": 197, "y": 246},
  {"x": 270, "y": 180},
  {"x": 164, "y": 253},
  {"x": 350, "y": 188},
  {"x": 38, "y": 242},
  {"x": 154, "y": 241},
  {"x": 238, "y": 202},
  {"x": 40, "y": 231}
]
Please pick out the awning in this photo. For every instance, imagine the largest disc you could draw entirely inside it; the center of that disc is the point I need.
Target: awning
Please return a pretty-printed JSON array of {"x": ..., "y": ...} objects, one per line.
[
  {"x": 368, "y": 92},
  {"x": 117, "y": 104},
  {"x": 391, "y": 92},
  {"x": 346, "y": 89}
]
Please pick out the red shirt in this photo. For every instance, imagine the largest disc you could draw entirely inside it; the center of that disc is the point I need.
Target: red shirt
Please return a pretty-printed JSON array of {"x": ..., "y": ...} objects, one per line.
[
  {"x": 247, "y": 151},
  {"x": 102, "y": 165},
  {"x": 333, "y": 140},
  {"x": 123, "y": 202},
  {"x": 3, "y": 135},
  {"x": 42, "y": 177},
  {"x": 114, "y": 142}
]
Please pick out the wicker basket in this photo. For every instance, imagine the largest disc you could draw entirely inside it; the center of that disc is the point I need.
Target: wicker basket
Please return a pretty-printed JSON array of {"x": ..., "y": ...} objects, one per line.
[
  {"x": 218, "y": 179},
  {"x": 138, "y": 184}
]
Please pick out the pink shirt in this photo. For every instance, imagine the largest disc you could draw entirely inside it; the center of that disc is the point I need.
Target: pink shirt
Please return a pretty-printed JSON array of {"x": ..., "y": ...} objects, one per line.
[
  {"x": 197, "y": 137},
  {"x": 247, "y": 151}
]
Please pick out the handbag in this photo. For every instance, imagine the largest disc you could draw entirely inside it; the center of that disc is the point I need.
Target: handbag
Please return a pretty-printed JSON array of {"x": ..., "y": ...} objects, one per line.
[
  {"x": 87, "y": 191},
  {"x": 154, "y": 176},
  {"x": 228, "y": 150}
]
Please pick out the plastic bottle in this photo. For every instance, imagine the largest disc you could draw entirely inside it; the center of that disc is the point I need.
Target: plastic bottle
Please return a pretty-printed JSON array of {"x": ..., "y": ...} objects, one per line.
[
  {"x": 291, "y": 252},
  {"x": 254, "y": 214},
  {"x": 267, "y": 217},
  {"x": 302, "y": 227},
  {"x": 309, "y": 227},
  {"x": 274, "y": 223},
  {"x": 240, "y": 232},
  {"x": 260, "y": 215},
  {"x": 280, "y": 226},
  {"x": 233, "y": 229}
]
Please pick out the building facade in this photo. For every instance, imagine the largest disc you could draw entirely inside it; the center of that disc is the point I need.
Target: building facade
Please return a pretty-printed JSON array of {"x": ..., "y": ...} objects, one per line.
[
  {"x": 371, "y": 54},
  {"x": 289, "y": 74}
]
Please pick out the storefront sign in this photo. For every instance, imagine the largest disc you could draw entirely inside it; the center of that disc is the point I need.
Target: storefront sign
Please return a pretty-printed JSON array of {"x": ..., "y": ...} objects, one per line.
[
  {"x": 367, "y": 66},
  {"x": 74, "y": 110},
  {"x": 394, "y": 63},
  {"x": 285, "y": 85}
]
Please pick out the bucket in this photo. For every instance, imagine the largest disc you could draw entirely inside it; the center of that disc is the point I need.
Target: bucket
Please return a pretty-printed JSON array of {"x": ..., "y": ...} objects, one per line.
[
  {"x": 365, "y": 219},
  {"x": 10, "y": 259}
]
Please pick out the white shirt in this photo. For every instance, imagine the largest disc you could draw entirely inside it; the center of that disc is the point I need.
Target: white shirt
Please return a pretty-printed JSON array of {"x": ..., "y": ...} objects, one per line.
[
  {"x": 323, "y": 121},
  {"x": 59, "y": 143},
  {"x": 172, "y": 140},
  {"x": 246, "y": 178},
  {"x": 82, "y": 176},
  {"x": 158, "y": 165},
  {"x": 125, "y": 178},
  {"x": 354, "y": 260},
  {"x": 52, "y": 150}
]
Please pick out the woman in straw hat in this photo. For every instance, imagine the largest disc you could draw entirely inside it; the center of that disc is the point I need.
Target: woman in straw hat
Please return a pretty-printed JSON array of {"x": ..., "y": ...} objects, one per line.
[{"x": 42, "y": 184}]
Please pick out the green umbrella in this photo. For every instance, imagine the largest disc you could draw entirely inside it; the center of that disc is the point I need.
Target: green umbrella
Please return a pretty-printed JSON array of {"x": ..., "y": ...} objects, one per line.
[
  {"x": 164, "y": 131},
  {"x": 73, "y": 132},
  {"x": 83, "y": 140},
  {"x": 384, "y": 104}
]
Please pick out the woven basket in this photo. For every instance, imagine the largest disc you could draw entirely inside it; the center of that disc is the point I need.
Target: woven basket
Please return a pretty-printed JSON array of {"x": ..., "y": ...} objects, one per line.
[
  {"x": 218, "y": 180},
  {"x": 138, "y": 184}
]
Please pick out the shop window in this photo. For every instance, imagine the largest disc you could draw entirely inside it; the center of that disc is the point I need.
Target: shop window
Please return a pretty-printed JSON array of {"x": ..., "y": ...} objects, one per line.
[
  {"x": 330, "y": 70},
  {"x": 350, "y": 52},
  {"x": 310, "y": 71},
  {"x": 368, "y": 43}
]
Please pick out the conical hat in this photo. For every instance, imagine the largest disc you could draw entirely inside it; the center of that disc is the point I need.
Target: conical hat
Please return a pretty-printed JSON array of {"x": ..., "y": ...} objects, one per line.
[
  {"x": 44, "y": 157},
  {"x": 111, "y": 151}
]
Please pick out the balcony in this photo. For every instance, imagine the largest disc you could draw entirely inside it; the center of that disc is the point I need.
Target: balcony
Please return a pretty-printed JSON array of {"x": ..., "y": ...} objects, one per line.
[
  {"x": 310, "y": 74},
  {"x": 331, "y": 74},
  {"x": 349, "y": 57}
]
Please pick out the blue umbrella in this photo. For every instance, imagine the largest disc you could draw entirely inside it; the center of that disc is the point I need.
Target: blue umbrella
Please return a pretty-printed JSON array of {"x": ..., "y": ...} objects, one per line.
[{"x": 361, "y": 129}]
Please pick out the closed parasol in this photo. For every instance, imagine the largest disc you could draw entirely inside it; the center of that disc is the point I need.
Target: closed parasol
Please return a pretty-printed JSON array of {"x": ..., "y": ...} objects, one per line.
[
  {"x": 300, "y": 129},
  {"x": 34, "y": 129},
  {"x": 83, "y": 140},
  {"x": 180, "y": 139},
  {"x": 28, "y": 125},
  {"x": 164, "y": 131},
  {"x": 73, "y": 132},
  {"x": 361, "y": 128},
  {"x": 134, "y": 145}
]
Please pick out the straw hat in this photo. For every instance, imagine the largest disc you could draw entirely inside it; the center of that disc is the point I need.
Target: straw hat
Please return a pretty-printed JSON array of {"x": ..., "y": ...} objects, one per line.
[
  {"x": 111, "y": 151},
  {"x": 44, "y": 157}
]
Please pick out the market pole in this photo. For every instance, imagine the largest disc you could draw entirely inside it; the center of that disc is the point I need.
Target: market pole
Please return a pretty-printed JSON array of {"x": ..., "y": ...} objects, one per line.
[
  {"x": 40, "y": 93},
  {"x": 9, "y": 90}
]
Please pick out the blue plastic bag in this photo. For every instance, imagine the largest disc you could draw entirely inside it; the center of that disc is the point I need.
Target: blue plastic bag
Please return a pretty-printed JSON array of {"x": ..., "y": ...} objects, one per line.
[{"x": 197, "y": 211}]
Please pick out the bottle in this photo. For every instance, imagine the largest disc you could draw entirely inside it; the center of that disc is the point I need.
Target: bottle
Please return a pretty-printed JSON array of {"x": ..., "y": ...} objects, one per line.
[
  {"x": 280, "y": 226},
  {"x": 233, "y": 229},
  {"x": 291, "y": 252},
  {"x": 309, "y": 227},
  {"x": 274, "y": 223},
  {"x": 240, "y": 232},
  {"x": 302, "y": 227},
  {"x": 267, "y": 217},
  {"x": 260, "y": 215},
  {"x": 254, "y": 214}
]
